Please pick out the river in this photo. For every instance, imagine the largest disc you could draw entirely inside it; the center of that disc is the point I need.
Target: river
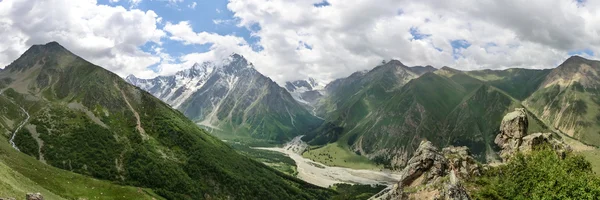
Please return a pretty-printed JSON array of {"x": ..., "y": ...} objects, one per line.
[{"x": 325, "y": 176}]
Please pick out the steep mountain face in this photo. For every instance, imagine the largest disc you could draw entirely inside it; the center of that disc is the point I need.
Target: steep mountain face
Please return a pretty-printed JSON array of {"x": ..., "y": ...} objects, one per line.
[
  {"x": 71, "y": 114},
  {"x": 568, "y": 99},
  {"x": 349, "y": 99},
  {"x": 232, "y": 99},
  {"x": 447, "y": 107},
  {"x": 306, "y": 92}
]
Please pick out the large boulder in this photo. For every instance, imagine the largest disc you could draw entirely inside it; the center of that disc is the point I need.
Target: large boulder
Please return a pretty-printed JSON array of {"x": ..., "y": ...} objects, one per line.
[
  {"x": 513, "y": 137},
  {"x": 426, "y": 165},
  {"x": 461, "y": 161},
  {"x": 512, "y": 130},
  {"x": 427, "y": 176},
  {"x": 34, "y": 196}
]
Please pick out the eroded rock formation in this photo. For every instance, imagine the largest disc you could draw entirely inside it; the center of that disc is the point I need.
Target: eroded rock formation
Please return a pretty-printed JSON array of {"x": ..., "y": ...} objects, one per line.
[
  {"x": 513, "y": 137},
  {"x": 428, "y": 175}
]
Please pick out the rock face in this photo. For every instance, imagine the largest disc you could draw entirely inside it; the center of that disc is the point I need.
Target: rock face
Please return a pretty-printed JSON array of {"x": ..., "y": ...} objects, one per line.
[
  {"x": 426, "y": 165},
  {"x": 512, "y": 130},
  {"x": 427, "y": 176},
  {"x": 513, "y": 137},
  {"x": 536, "y": 139},
  {"x": 461, "y": 161},
  {"x": 34, "y": 196}
]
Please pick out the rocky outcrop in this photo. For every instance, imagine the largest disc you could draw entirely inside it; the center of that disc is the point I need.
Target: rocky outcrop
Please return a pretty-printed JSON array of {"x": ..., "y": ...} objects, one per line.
[
  {"x": 426, "y": 166},
  {"x": 537, "y": 139},
  {"x": 428, "y": 175},
  {"x": 513, "y": 137},
  {"x": 512, "y": 130},
  {"x": 34, "y": 196},
  {"x": 29, "y": 196},
  {"x": 461, "y": 161}
]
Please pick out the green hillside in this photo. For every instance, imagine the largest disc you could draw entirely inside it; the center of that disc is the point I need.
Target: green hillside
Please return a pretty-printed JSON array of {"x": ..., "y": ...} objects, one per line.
[
  {"x": 569, "y": 99},
  {"x": 88, "y": 120},
  {"x": 447, "y": 107},
  {"x": 518, "y": 83},
  {"x": 21, "y": 174}
]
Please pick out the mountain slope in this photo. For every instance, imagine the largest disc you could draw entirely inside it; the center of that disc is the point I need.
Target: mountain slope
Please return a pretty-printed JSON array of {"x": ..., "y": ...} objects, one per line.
[
  {"x": 519, "y": 83},
  {"x": 350, "y": 99},
  {"x": 447, "y": 107},
  {"x": 232, "y": 98},
  {"x": 306, "y": 92},
  {"x": 88, "y": 120},
  {"x": 568, "y": 99}
]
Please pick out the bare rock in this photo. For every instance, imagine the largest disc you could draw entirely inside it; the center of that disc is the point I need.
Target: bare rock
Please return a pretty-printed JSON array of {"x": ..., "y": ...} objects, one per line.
[
  {"x": 512, "y": 130},
  {"x": 34, "y": 196},
  {"x": 461, "y": 161},
  {"x": 428, "y": 176},
  {"x": 513, "y": 137},
  {"x": 537, "y": 139},
  {"x": 426, "y": 159}
]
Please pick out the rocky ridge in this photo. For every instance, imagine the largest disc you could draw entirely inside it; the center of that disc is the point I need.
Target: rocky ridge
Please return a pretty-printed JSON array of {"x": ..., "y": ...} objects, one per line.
[{"x": 434, "y": 174}]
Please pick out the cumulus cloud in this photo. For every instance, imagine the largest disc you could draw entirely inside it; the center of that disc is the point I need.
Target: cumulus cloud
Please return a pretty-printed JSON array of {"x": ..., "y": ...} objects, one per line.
[
  {"x": 322, "y": 39},
  {"x": 334, "y": 40},
  {"x": 107, "y": 36}
]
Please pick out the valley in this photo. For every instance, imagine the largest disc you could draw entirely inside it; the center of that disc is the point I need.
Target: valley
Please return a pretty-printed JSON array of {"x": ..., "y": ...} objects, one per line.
[{"x": 326, "y": 176}]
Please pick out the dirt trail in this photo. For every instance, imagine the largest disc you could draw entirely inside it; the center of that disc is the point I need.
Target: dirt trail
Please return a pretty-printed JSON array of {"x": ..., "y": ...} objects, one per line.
[
  {"x": 325, "y": 176},
  {"x": 138, "y": 126}
]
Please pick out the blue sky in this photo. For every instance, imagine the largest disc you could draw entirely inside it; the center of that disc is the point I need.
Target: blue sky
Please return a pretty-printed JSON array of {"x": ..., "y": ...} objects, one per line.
[{"x": 202, "y": 18}]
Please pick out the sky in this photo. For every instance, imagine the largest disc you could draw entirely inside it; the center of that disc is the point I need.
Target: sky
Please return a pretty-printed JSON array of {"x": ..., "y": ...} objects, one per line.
[{"x": 296, "y": 39}]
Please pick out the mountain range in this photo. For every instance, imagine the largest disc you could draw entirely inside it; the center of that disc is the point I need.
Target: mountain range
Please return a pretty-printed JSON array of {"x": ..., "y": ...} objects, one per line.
[
  {"x": 232, "y": 99},
  {"x": 66, "y": 120},
  {"x": 77, "y": 117},
  {"x": 385, "y": 112}
]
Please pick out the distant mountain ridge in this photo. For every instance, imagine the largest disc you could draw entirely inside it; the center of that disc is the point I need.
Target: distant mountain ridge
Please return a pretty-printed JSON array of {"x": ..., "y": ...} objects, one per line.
[
  {"x": 232, "y": 99},
  {"x": 384, "y": 113}
]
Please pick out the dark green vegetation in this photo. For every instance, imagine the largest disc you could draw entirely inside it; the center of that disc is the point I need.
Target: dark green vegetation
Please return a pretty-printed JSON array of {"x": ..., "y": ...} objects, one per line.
[
  {"x": 385, "y": 113},
  {"x": 21, "y": 174},
  {"x": 518, "y": 83},
  {"x": 276, "y": 160},
  {"x": 539, "y": 175},
  {"x": 87, "y": 120},
  {"x": 355, "y": 192}
]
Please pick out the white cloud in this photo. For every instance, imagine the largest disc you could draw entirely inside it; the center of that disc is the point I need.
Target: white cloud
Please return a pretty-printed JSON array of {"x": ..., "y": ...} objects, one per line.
[
  {"x": 193, "y": 5},
  {"x": 347, "y": 36},
  {"x": 108, "y": 36},
  {"x": 300, "y": 40}
]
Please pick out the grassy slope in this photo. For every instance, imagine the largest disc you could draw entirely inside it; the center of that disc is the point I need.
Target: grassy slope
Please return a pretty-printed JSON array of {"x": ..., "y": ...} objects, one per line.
[
  {"x": 334, "y": 154},
  {"x": 21, "y": 174},
  {"x": 449, "y": 108},
  {"x": 191, "y": 163},
  {"x": 518, "y": 83}
]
